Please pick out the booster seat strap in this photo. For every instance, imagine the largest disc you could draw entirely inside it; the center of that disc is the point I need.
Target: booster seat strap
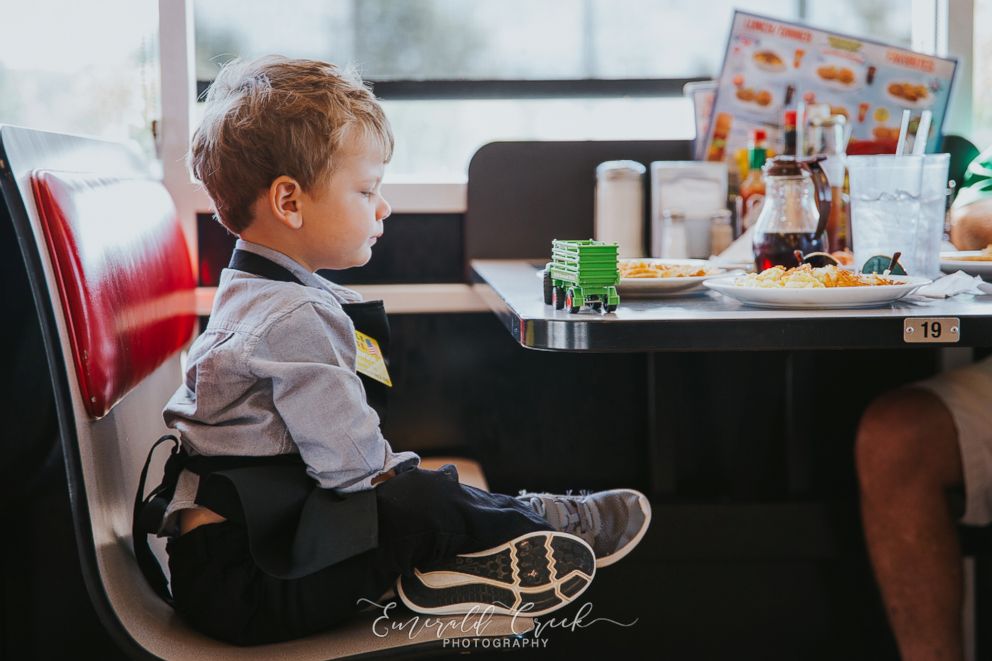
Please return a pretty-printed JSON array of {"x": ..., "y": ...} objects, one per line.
[
  {"x": 249, "y": 262},
  {"x": 148, "y": 513}
]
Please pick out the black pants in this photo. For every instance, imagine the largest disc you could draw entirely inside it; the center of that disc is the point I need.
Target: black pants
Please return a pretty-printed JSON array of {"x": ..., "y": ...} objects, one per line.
[{"x": 424, "y": 516}]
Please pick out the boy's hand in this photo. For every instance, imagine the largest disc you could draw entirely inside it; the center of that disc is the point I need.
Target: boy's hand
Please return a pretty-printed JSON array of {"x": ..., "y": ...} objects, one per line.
[{"x": 383, "y": 477}]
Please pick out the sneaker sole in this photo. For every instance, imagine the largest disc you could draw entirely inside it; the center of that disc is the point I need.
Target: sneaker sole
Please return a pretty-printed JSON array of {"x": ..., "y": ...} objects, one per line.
[
  {"x": 645, "y": 504},
  {"x": 531, "y": 575}
]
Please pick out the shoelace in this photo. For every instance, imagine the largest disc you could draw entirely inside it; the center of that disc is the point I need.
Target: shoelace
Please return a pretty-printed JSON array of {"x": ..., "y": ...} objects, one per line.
[{"x": 575, "y": 513}]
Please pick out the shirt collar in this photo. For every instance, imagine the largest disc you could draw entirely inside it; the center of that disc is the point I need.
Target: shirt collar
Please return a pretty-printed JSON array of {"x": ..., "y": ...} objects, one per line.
[{"x": 307, "y": 277}]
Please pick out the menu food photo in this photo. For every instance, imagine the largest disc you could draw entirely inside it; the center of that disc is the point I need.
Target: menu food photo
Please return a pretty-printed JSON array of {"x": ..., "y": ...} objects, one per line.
[{"x": 771, "y": 66}]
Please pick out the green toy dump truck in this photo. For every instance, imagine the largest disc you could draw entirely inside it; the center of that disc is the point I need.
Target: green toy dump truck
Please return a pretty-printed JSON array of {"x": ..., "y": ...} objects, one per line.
[{"x": 582, "y": 273}]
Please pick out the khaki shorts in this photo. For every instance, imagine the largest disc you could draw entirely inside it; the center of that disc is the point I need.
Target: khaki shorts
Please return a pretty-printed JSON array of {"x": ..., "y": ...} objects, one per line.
[{"x": 967, "y": 392}]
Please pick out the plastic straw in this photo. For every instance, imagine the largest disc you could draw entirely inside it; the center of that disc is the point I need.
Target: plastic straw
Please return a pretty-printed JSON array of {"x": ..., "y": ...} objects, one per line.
[
  {"x": 903, "y": 131},
  {"x": 922, "y": 133}
]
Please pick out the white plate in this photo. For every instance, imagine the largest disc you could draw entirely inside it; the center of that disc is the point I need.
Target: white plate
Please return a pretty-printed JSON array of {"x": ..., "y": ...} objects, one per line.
[
  {"x": 832, "y": 297},
  {"x": 951, "y": 262},
  {"x": 668, "y": 286}
]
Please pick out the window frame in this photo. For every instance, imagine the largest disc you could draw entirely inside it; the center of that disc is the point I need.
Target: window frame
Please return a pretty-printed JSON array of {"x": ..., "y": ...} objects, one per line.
[
  {"x": 475, "y": 89},
  {"x": 936, "y": 29}
]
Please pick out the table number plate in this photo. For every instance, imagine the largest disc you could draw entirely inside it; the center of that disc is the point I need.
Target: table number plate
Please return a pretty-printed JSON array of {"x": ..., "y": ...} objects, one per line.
[{"x": 941, "y": 330}]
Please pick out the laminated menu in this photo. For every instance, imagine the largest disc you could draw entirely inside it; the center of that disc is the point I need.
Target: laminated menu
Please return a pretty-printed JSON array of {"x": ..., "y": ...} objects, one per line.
[{"x": 772, "y": 65}]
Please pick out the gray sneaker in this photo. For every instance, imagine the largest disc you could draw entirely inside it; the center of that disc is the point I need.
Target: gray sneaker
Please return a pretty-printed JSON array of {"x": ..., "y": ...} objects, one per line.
[
  {"x": 532, "y": 575},
  {"x": 611, "y": 522}
]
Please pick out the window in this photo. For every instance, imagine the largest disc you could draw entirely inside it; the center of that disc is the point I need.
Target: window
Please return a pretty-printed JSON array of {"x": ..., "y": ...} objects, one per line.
[
  {"x": 455, "y": 74},
  {"x": 65, "y": 67},
  {"x": 982, "y": 103}
]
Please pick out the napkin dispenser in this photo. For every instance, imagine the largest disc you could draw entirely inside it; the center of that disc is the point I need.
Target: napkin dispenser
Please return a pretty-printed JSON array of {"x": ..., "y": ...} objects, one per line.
[{"x": 696, "y": 189}]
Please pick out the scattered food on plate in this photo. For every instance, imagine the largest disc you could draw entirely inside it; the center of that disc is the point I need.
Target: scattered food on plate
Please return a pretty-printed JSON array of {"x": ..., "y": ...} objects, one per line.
[
  {"x": 806, "y": 277},
  {"x": 982, "y": 256},
  {"x": 647, "y": 268},
  {"x": 809, "y": 288}
]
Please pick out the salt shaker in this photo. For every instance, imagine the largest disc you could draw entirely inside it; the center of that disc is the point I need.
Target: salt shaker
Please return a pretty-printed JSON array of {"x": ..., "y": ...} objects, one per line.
[
  {"x": 619, "y": 214},
  {"x": 675, "y": 239}
]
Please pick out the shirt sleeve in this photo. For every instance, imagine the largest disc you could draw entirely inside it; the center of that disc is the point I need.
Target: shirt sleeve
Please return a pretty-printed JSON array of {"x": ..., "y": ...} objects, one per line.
[{"x": 309, "y": 357}]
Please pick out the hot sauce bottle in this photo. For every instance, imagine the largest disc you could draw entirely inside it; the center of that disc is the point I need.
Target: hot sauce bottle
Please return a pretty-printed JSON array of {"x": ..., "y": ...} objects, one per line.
[
  {"x": 752, "y": 189},
  {"x": 789, "y": 132}
]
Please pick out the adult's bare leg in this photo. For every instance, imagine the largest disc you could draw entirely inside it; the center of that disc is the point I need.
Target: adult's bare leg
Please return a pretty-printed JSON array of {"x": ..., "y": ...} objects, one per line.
[{"x": 907, "y": 457}]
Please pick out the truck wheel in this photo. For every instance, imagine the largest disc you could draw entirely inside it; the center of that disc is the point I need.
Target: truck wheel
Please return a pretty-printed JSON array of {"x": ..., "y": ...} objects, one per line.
[
  {"x": 548, "y": 288},
  {"x": 559, "y": 298},
  {"x": 612, "y": 294},
  {"x": 569, "y": 302}
]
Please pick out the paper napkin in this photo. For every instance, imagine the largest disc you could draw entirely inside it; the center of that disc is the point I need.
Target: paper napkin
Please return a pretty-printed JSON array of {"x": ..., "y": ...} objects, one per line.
[{"x": 953, "y": 284}]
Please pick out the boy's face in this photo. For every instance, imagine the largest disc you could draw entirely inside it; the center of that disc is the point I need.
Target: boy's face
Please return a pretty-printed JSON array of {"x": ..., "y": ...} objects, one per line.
[{"x": 342, "y": 217}]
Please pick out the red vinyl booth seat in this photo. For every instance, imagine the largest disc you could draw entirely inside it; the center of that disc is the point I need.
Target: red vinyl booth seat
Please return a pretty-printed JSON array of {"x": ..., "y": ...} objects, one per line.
[
  {"x": 112, "y": 283},
  {"x": 127, "y": 288}
]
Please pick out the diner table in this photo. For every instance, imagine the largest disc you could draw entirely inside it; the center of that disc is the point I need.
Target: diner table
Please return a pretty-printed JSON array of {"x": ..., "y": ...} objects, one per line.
[{"x": 709, "y": 321}]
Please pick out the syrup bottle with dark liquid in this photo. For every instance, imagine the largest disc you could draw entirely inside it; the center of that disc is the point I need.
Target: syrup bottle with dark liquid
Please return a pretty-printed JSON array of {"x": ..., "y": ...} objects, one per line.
[{"x": 794, "y": 214}]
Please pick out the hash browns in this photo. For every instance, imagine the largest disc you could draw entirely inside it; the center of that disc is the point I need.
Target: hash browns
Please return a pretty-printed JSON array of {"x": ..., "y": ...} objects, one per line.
[
  {"x": 808, "y": 277},
  {"x": 647, "y": 268}
]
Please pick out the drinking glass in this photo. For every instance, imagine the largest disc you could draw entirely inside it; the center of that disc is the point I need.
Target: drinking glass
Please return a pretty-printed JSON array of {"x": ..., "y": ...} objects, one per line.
[{"x": 897, "y": 205}]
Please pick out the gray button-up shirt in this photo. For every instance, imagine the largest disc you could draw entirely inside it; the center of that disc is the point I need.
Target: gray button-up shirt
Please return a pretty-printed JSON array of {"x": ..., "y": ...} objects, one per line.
[{"x": 274, "y": 373}]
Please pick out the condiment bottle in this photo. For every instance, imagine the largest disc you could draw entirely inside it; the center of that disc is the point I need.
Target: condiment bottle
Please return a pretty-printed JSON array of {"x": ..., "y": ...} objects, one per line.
[
  {"x": 619, "y": 211},
  {"x": 789, "y": 133},
  {"x": 794, "y": 213},
  {"x": 832, "y": 133},
  {"x": 721, "y": 231},
  {"x": 752, "y": 189}
]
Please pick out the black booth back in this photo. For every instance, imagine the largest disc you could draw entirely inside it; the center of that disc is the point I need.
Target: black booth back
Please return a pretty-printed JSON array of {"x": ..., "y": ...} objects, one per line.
[{"x": 522, "y": 194}]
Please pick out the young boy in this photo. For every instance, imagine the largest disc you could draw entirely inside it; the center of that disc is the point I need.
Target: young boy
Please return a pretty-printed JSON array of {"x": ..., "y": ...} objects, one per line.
[{"x": 298, "y": 507}]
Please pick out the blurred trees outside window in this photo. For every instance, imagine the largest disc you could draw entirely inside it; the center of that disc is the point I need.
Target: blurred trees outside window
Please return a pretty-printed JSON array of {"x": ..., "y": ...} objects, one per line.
[
  {"x": 498, "y": 40},
  {"x": 80, "y": 67}
]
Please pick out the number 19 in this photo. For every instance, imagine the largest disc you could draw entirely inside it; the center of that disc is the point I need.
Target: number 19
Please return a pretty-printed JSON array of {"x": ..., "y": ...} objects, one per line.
[{"x": 931, "y": 329}]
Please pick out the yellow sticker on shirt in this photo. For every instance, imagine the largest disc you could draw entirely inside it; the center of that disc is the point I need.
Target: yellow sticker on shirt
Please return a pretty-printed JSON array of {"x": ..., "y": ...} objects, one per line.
[{"x": 369, "y": 360}]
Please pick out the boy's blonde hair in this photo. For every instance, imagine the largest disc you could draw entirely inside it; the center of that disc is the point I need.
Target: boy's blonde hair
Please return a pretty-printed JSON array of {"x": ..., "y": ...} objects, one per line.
[{"x": 275, "y": 116}]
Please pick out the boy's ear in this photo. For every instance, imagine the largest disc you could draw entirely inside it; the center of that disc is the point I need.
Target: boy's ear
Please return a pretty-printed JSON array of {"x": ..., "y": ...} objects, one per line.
[{"x": 285, "y": 201}]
